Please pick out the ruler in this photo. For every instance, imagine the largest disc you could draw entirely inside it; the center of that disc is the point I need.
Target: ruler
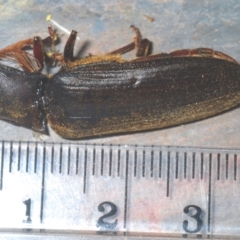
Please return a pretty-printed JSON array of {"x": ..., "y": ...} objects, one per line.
[{"x": 94, "y": 191}]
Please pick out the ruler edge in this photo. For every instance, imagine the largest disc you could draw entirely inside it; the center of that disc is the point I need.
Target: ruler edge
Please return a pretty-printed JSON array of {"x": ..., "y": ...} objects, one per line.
[{"x": 125, "y": 146}]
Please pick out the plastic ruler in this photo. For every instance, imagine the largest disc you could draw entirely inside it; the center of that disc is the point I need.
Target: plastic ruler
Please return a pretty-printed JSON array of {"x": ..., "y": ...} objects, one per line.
[{"x": 61, "y": 191}]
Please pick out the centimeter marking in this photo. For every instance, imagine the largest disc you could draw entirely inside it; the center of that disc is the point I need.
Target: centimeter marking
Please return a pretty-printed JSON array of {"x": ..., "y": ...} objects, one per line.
[
  {"x": 136, "y": 162},
  {"x": 43, "y": 183},
  {"x": 147, "y": 161},
  {"x": 126, "y": 190},
  {"x": 209, "y": 191}
]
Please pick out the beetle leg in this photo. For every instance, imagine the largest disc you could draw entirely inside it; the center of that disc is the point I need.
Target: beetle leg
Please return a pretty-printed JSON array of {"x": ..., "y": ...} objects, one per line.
[
  {"x": 52, "y": 55},
  {"x": 69, "y": 47},
  {"x": 42, "y": 52},
  {"x": 142, "y": 46},
  {"x": 124, "y": 49},
  {"x": 52, "y": 38},
  {"x": 137, "y": 39},
  {"x": 38, "y": 51},
  {"x": 44, "y": 55}
]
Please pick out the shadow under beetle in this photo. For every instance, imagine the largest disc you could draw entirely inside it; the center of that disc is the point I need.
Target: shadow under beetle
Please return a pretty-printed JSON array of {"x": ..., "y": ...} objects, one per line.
[{"x": 103, "y": 95}]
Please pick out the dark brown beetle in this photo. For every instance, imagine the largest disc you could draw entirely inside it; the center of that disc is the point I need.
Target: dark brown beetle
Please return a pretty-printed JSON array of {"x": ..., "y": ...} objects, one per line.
[{"x": 102, "y": 95}]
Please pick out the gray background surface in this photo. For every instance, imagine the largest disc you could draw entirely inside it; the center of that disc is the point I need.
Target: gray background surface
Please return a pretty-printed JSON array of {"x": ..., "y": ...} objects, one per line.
[{"x": 105, "y": 25}]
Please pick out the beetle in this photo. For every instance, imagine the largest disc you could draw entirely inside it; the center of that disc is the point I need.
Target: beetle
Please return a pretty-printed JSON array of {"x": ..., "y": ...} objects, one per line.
[{"x": 105, "y": 95}]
